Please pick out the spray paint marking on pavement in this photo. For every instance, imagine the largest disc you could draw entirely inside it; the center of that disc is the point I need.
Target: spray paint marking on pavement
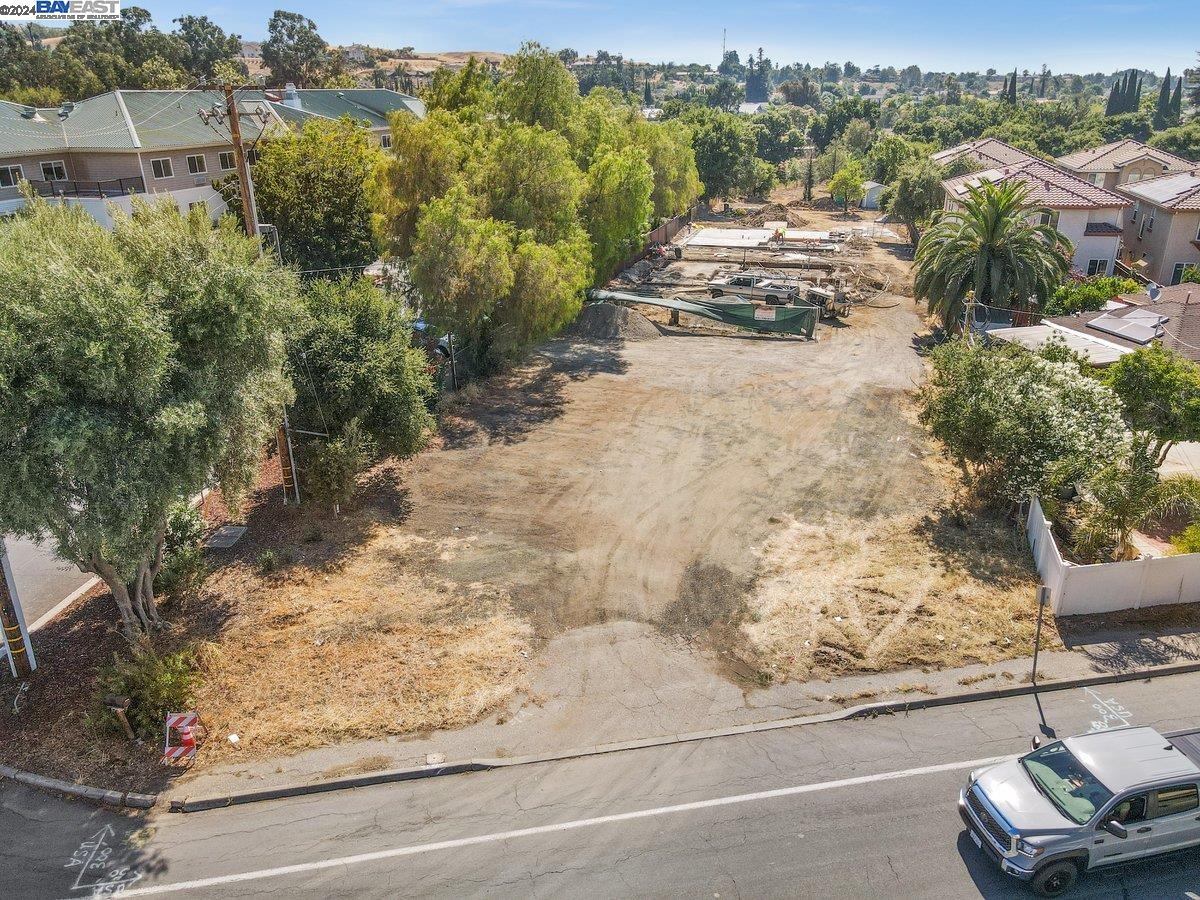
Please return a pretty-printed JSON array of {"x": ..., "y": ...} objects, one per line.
[
  {"x": 1112, "y": 713},
  {"x": 98, "y": 871},
  {"x": 395, "y": 852}
]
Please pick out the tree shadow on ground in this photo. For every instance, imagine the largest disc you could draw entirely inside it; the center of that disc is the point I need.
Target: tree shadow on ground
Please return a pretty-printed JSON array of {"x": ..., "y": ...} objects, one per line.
[
  {"x": 979, "y": 541},
  {"x": 507, "y": 407},
  {"x": 1136, "y": 638}
]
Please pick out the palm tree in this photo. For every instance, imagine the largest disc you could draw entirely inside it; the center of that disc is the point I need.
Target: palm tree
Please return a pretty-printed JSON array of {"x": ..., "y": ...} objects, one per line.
[
  {"x": 1121, "y": 497},
  {"x": 989, "y": 249}
]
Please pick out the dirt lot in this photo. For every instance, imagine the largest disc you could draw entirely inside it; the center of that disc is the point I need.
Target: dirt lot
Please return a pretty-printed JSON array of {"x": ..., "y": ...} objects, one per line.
[{"x": 618, "y": 538}]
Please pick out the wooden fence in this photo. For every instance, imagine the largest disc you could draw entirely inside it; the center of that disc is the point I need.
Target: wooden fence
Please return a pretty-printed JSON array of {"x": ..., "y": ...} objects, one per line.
[{"x": 660, "y": 235}]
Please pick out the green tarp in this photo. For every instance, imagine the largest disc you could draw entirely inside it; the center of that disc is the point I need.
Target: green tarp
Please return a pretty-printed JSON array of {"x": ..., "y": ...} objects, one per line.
[{"x": 798, "y": 320}]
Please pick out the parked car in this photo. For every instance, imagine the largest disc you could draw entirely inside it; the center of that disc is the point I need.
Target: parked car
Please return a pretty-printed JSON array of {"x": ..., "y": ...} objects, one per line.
[
  {"x": 755, "y": 287},
  {"x": 1084, "y": 803}
]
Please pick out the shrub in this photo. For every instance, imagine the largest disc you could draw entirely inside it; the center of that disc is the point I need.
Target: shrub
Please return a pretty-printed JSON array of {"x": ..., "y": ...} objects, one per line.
[
  {"x": 1009, "y": 418},
  {"x": 155, "y": 684},
  {"x": 1188, "y": 540},
  {"x": 331, "y": 474},
  {"x": 1088, "y": 295},
  {"x": 183, "y": 569}
]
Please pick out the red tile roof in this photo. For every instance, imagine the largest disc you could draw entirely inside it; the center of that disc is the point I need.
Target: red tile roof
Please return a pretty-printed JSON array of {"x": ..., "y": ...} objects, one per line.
[
  {"x": 1050, "y": 186},
  {"x": 1112, "y": 157},
  {"x": 989, "y": 151},
  {"x": 1102, "y": 229}
]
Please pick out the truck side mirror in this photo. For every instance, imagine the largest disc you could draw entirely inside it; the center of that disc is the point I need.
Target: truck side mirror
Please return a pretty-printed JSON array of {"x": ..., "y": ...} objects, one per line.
[
  {"x": 1036, "y": 742},
  {"x": 1116, "y": 829}
]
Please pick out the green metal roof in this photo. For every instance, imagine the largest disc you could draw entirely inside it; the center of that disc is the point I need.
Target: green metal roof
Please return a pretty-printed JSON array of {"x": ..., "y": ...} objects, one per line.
[
  {"x": 164, "y": 120},
  {"x": 370, "y": 105}
]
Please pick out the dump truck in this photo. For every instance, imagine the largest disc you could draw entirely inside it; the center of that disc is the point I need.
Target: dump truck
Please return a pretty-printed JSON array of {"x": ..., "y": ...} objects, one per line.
[{"x": 1086, "y": 803}]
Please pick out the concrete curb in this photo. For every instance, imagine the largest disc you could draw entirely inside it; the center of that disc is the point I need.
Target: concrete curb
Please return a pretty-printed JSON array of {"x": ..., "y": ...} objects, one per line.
[
  {"x": 118, "y": 799},
  {"x": 867, "y": 710}
]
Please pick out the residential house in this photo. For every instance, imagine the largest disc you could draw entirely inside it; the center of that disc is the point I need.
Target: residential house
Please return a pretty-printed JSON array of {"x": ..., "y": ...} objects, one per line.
[
  {"x": 371, "y": 107},
  {"x": 1123, "y": 162},
  {"x": 1162, "y": 227},
  {"x": 103, "y": 151},
  {"x": 1087, "y": 215},
  {"x": 988, "y": 152},
  {"x": 1169, "y": 316}
]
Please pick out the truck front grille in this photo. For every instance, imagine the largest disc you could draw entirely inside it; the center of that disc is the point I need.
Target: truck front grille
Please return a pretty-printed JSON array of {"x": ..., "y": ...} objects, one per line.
[{"x": 994, "y": 828}]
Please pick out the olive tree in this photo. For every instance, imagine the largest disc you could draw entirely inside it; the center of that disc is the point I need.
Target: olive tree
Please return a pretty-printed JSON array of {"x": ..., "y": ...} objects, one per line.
[{"x": 137, "y": 366}]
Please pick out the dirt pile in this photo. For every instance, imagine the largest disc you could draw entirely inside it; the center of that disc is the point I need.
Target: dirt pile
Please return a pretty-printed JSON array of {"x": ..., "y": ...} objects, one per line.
[
  {"x": 606, "y": 322},
  {"x": 774, "y": 212}
]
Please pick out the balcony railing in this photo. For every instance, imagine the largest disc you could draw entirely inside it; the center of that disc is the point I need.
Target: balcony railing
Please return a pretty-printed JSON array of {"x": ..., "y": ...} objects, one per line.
[{"x": 114, "y": 187}]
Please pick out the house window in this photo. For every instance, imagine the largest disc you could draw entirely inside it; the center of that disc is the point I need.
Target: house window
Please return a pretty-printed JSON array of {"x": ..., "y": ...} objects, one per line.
[
  {"x": 1097, "y": 267},
  {"x": 1049, "y": 217},
  {"x": 1177, "y": 272},
  {"x": 1098, "y": 179},
  {"x": 385, "y": 141},
  {"x": 252, "y": 155},
  {"x": 225, "y": 160},
  {"x": 197, "y": 165},
  {"x": 10, "y": 175},
  {"x": 1134, "y": 177},
  {"x": 1198, "y": 234},
  {"x": 1150, "y": 222},
  {"x": 1137, "y": 208},
  {"x": 161, "y": 168},
  {"x": 54, "y": 171}
]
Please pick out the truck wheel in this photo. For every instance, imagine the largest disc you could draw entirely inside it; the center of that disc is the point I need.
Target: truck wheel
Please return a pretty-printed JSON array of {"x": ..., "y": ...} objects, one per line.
[
  {"x": 1055, "y": 879},
  {"x": 772, "y": 300},
  {"x": 716, "y": 292}
]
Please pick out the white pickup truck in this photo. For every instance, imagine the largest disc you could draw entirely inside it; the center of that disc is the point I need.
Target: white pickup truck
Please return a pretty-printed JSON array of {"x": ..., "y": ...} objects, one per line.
[
  {"x": 1086, "y": 802},
  {"x": 773, "y": 291}
]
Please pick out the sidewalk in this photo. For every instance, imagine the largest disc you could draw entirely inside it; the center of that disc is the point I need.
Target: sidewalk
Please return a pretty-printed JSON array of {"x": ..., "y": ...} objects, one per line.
[{"x": 591, "y": 687}]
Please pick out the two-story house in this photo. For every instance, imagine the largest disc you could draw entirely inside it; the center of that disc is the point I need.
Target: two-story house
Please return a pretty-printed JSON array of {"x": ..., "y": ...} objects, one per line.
[
  {"x": 1162, "y": 227},
  {"x": 1087, "y": 215},
  {"x": 1123, "y": 162},
  {"x": 991, "y": 153},
  {"x": 104, "y": 150}
]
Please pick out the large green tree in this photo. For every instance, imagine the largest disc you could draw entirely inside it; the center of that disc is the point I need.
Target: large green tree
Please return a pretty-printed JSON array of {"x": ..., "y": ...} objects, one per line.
[
  {"x": 136, "y": 366},
  {"x": 207, "y": 44},
  {"x": 537, "y": 88},
  {"x": 1160, "y": 397},
  {"x": 293, "y": 50},
  {"x": 427, "y": 157},
  {"x": 617, "y": 205},
  {"x": 314, "y": 186},
  {"x": 915, "y": 195},
  {"x": 353, "y": 361},
  {"x": 989, "y": 251}
]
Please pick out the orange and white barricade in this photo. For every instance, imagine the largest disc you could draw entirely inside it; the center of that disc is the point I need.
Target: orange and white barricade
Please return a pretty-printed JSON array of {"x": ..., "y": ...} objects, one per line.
[{"x": 185, "y": 725}]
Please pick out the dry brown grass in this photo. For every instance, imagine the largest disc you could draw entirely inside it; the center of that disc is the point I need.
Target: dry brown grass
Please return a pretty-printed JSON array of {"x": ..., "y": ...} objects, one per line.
[
  {"x": 852, "y": 597},
  {"x": 364, "y": 650}
]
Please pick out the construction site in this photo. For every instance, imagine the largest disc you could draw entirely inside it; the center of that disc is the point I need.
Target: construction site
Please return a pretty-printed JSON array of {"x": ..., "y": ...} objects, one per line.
[{"x": 773, "y": 268}]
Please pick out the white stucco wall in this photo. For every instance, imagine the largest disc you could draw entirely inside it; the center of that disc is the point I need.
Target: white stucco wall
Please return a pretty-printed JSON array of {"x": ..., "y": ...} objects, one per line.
[{"x": 1073, "y": 222}]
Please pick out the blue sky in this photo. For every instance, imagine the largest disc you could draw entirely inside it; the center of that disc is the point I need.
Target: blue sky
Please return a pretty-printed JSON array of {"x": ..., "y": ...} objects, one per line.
[{"x": 935, "y": 34}]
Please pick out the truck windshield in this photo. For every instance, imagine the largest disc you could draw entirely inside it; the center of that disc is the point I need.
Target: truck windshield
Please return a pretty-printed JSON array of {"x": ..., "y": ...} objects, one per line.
[{"x": 1068, "y": 784}]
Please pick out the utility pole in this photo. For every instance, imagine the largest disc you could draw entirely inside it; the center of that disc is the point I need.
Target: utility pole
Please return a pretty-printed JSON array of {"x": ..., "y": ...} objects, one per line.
[
  {"x": 245, "y": 185},
  {"x": 239, "y": 156},
  {"x": 14, "y": 637}
]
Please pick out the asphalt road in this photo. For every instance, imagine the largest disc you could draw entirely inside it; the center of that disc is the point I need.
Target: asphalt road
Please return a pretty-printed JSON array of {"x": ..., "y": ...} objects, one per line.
[
  {"x": 850, "y": 809},
  {"x": 43, "y": 580}
]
